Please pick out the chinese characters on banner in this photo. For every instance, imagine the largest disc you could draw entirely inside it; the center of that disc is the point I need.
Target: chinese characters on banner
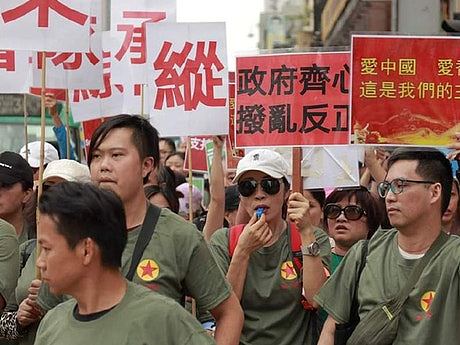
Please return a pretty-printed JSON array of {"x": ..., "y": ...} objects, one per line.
[
  {"x": 127, "y": 19},
  {"x": 52, "y": 25},
  {"x": 400, "y": 94},
  {"x": 75, "y": 70},
  {"x": 14, "y": 71},
  {"x": 292, "y": 99},
  {"x": 187, "y": 77}
]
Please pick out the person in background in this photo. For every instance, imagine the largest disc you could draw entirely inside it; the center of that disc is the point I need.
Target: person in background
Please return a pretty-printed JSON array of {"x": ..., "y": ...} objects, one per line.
[
  {"x": 16, "y": 183},
  {"x": 82, "y": 233},
  {"x": 350, "y": 215},
  {"x": 316, "y": 199},
  {"x": 167, "y": 147},
  {"x": 450, "y": 222},
  {"x": 197, "y": 198},
  {"x": 175, "y": 162},
  {"x": 33, "y": 155},
  {"x": 232, "y": 202},
  {"x": 162, "y": 192}
]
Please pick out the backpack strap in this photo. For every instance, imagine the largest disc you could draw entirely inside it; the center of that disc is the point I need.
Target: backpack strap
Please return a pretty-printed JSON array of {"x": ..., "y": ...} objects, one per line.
[
  {"x": 148, "y": 227},
  {"x": 233, "y": 235}
]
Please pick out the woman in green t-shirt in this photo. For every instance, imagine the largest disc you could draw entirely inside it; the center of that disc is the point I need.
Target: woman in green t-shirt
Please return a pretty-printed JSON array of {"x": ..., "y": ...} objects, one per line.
[{"x": 350, "y": 215}]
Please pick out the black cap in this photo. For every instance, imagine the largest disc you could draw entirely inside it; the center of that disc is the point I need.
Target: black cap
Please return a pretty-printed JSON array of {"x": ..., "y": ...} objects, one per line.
[
  {"x": 232, "y": 198},
  {"x": 14, "y": 168}
]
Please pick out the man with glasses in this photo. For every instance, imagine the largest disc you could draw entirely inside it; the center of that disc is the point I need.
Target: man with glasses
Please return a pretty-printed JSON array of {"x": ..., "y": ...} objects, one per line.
[{"x": 416, "y": 191}]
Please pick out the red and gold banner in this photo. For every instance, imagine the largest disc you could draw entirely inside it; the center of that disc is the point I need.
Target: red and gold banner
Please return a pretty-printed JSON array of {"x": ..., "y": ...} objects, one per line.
[{"x": 405, "y": 90}]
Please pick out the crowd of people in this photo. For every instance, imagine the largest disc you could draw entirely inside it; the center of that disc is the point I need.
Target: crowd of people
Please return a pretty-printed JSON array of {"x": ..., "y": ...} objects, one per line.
[{"x": 123, "y": 250}]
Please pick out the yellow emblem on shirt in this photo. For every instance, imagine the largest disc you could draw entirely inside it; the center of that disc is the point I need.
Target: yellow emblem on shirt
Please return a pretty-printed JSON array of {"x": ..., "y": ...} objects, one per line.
[
  {"x": 148, "y": 270},
  {"x": 288, "y": 271},
  {"x": 427, "y": 300}
]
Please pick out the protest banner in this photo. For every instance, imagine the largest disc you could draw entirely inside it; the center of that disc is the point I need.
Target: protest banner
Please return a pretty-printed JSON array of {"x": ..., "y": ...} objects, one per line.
[
  {"x": 401, "y": 95},
  {"x": 292, "y": 99},
  {"x": 127, "y": 26},
  {"x": 53, "y": 25},
  {"x": 198, "y": 154},
  {"x": 14, "y": 71},
  {"x": 88, "y": 128},
  {"x": 187, "y": 78}
]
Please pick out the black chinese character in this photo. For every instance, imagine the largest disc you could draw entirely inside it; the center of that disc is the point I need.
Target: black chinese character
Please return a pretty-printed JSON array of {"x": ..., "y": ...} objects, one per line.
[
  {"x": 280, "y": 119},
  {"x": 339, "y": 120},
  {"x": 250, "y": 81},
  {"x": 250, "y": 119},
  {"x": 340, "y": 78},
  {"x": 314, "y": 78},
  {"x": 282, "y": 78},
  {"x": 315, "y": 117}
]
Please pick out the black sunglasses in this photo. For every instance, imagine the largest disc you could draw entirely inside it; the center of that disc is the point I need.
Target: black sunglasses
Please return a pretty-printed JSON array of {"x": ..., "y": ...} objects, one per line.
[
  {"x": 351, "y": 212},
  {"x": 270, "y": 186}
]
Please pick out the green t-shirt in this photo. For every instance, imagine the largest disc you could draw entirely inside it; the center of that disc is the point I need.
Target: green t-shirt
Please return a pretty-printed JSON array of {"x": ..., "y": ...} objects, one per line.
[
  {"x": 176, "y": 260},
  {"x": 431, "y": 315},
  {"x": 9, "y": 259},
  {"x": 272, "y": 292},
  {"x": 141, "y": 318},
  {"x": 335, "y": 261}
]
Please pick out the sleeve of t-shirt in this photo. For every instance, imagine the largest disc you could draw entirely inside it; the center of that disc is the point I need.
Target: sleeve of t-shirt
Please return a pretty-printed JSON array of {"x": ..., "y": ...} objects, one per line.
[
  {"x": 336, "y": 295},
  {"x": 9, "y": 260},
  {"x": 219, "y": 249},
  {"x": 204, "y": 280}
]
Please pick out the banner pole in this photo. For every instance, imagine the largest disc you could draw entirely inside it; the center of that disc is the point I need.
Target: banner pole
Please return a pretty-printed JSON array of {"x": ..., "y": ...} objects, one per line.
[
  {"x": 142, "y": 100},
  {"x": 190, "y": 198},
  {"x": 42, "y": 149},
  {"x": 297, "y": 183},
  {"x": 26, "y": 134},
  {"x": 67, "y": 122}
]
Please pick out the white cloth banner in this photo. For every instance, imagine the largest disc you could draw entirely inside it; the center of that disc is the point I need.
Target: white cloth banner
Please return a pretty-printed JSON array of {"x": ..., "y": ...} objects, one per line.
[
  {"x": 15, "y": 71},
  {"x": 52, "y": 25},
  {"x": 129, "y": 53},
  {"x": 188, "y": 78}
]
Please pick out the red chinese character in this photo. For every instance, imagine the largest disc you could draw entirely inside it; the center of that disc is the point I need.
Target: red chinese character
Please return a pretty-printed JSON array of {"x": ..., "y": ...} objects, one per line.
[
  {"x": 83, "y": 95},
  {"x": 135, "y": 35},
  {"x": 176, "y": 89},
  {"x": 69, "y": 61},
  {"x": 7, "y": 60},
  {"x": 43, "y": 12}
]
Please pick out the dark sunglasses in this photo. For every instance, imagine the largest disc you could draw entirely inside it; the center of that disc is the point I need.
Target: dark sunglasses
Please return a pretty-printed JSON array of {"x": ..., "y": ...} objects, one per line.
[
  {"x": 351, "y": 212},
  {"x": 270, "y": 186}
]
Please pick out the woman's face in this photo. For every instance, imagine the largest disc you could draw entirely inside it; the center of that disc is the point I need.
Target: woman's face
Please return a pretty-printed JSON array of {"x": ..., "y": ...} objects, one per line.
[
  {"x": 315, "y": 210},
  {"x": 176, "y": 164},
  {"x": 451, "y": 211},
  {"x": 271, "y": 203},
  {"x": 347, "y": 232}
]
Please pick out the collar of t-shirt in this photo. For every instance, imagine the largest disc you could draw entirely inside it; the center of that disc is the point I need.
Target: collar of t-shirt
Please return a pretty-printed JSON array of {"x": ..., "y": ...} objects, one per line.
[
  {"x": 409, "y": 256},
  {"x": 89, "y": 317}
]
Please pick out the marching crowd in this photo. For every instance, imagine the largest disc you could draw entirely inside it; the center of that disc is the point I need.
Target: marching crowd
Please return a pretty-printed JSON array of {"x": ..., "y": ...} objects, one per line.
[{"x": 109, "y": 254}]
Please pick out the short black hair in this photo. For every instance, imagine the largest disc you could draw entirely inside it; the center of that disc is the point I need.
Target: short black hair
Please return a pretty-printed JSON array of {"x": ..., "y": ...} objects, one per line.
[
  {"x": 432, "y": 166},
  {"x": 82, "y": 210},
  {"x": 364, "y": 198},
  {"x": 144, "y": 136},
  {"x": 319, "y": 195},
  {"x": 170, "y": 143}
]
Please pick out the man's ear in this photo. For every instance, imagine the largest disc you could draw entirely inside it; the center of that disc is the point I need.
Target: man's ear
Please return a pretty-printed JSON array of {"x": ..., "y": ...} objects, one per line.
[
  {"x": 436, "y": 192},
  {"x": 148, "y": 166},
  {"x": 88, "y": 251}
]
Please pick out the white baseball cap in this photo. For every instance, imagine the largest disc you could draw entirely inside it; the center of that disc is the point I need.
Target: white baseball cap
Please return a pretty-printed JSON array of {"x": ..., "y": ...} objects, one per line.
[
  {"x": 51, "y": 154},
  {"x": 68, "y": 170},
  {"x": 264, "y": 160}
]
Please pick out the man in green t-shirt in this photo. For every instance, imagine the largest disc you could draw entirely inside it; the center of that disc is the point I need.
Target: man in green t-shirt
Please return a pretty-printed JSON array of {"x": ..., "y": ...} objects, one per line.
[
  {"x": 82, "y": 234},
  {"x": 123, "y": 152},
  {"x": 417, "y": 192}
]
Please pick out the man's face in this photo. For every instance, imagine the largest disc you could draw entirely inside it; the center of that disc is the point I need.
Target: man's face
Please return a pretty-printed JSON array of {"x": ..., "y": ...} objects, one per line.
[
  {"x": 116, "y": 165},
  {"x": 415, "y": 202},
  {"x": 165, "y": 151},
  {"x": 12, "y": 199},
  {"x": 60, "y": 266}
]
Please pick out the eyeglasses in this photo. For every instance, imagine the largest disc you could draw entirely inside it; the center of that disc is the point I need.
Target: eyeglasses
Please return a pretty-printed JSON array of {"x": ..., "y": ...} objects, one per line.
[
  {"x": 270, "y": 186},
  {"x": 396, "y": 186},
  {"x": 351, "y": 212}
]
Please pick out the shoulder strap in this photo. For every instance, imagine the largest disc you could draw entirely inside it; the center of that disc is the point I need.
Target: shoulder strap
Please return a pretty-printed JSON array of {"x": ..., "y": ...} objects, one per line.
[
  {"x": 233, "y": 235},
  {"x": 418, "y": 269},
  {"x": 148, "y": 227},
  {"x": 354, "y": 314}
]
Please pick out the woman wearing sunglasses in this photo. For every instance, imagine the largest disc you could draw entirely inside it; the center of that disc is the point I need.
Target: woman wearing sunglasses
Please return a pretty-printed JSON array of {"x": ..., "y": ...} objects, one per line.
[
  {"x": 350, "y": 215},
  {"x": 262, "y": 269}
]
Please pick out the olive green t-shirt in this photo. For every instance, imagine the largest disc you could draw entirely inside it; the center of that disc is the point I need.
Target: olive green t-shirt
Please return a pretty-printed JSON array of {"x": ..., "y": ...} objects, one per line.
[
  {"x": 141, "y": 318},
  {"x": 431, "y": 315},
  {"x": 9, "y": 259},
  {"x": 272, "y": 292},
  {"x": 177, "y": 260}
]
